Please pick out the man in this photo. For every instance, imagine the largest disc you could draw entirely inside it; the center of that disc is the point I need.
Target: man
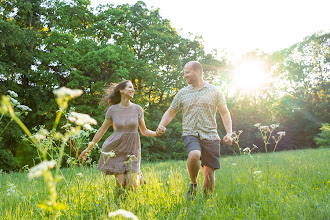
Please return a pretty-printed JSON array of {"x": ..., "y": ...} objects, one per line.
[{"x": 199, "y": 102}]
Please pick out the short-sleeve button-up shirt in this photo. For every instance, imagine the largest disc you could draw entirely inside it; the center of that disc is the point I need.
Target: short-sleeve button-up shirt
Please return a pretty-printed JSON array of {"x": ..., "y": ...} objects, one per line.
[{"x": 199, "y": 110}]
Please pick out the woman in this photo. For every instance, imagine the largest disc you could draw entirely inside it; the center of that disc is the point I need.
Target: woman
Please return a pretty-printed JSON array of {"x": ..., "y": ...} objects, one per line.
[{"x": 125, "y": 117}]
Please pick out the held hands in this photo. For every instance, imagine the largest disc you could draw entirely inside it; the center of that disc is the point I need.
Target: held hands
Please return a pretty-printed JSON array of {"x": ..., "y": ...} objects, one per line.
[
  {"x": 228, "y": 139},
  {"x": 83, "y": 155},
  {"x": 160, "y": 130}
]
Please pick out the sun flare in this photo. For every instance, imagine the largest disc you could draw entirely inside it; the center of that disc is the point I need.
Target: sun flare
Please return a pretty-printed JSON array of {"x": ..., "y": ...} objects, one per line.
[{"x": 249, "y": 75}]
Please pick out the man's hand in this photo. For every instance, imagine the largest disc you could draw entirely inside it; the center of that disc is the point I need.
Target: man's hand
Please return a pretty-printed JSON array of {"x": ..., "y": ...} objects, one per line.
[
  {"x": 228, "y": 139},
  {"x": 160, "y": 130}
]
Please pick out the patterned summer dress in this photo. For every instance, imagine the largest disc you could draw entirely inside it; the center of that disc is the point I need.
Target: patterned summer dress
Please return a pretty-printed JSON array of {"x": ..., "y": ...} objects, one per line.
[{"x": 124, "y": 141}]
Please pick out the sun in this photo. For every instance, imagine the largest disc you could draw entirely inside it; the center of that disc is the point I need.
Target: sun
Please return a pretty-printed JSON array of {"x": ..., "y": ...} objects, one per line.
[{"x": 249, "y": 75}]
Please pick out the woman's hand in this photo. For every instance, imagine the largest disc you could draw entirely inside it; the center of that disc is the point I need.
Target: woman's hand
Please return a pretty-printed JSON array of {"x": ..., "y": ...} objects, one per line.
[
  {"x": 83, "y": 155},
  {"x": 160, "y": 130}
]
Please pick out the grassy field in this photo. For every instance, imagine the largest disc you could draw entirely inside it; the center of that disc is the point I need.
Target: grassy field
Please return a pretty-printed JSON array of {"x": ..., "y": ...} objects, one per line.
[{"x": 291, "y": 185}]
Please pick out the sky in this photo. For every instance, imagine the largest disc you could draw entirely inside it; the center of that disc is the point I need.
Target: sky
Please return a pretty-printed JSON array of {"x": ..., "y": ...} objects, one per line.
[{"x": 239, "y": 26}]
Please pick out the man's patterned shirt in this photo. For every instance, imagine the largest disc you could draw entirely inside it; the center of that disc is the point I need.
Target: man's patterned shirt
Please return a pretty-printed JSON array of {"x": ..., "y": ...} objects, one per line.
[{"x": 199, "y": 110}]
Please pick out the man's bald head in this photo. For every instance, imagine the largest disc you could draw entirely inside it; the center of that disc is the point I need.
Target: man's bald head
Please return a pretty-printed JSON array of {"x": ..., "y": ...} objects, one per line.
[{"x": 195, "y": 66}]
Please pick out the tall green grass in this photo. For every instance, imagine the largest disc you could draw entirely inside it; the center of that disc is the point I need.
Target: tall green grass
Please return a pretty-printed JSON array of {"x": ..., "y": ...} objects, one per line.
[{"x": 291, "y": 185}]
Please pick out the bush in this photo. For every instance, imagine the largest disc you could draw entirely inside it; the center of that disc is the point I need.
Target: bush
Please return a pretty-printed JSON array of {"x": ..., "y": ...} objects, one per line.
[{"x": 323, "y": 139}]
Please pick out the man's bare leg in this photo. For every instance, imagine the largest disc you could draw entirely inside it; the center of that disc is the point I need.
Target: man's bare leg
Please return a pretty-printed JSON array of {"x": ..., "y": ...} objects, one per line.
[
  {"x": 193, "y": 165},
  {"x": 209, "y": 180}
]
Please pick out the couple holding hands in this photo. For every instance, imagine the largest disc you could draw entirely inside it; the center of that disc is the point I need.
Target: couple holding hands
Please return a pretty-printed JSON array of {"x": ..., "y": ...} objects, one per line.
[{"x": 198, "y": 101}]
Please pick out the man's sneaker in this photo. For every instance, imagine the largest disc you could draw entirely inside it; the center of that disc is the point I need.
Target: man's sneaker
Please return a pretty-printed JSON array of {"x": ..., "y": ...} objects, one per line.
[{"x": 191, "y": 194}]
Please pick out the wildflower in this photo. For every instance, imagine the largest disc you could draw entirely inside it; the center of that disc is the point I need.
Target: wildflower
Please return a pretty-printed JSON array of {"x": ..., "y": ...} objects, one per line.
[
  {"x": 64, "y": 95},
  {"x": 39, "y": 137},
  {"x": 58, "y": 136},
  {"x": 12, "y": 93},
  {"x": 254, "y": 146},
  {"x": 68, "y": 161},
  {"x": 87, "y": 126},
  {"x": 66, "y": 92},
  {"x": 24, "y": 107},
  {"x": 79, "y": 175},
  {"x": 273, "y": 126},
  {"x": 247, "y": 149},
  {"x": 264, "y": 128},
  {"x": 234, "y": 164},
  {"x": 281, "y": 133},
  {"x": 133, "y": 157},
  {"x": 14, "y": 101},
  {"x": 257, "y": 125},
  {"x": 109, "y": 154},
  {"x": 25, "y": 167},
  {"x": 81, "y": 119},
  {"x": 257, "y": 172},
  {"x": 11, "y": 190},
  {"x": 42, "y": 167},
  {"x": 124, "y": 213}
]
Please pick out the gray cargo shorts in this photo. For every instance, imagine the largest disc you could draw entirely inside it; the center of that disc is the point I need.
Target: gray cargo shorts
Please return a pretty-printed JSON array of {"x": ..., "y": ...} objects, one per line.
[{"x": 210, "y": 150}]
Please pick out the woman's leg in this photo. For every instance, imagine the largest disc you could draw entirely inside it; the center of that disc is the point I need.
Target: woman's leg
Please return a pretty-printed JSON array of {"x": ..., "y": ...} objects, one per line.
[
  {"x": 132, "y": 180},
  {"x": 120, "y": 184}
]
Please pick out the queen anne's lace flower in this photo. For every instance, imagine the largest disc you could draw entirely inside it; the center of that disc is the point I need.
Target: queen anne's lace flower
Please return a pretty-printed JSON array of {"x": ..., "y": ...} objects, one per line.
[{"x": 42, "y": 167}]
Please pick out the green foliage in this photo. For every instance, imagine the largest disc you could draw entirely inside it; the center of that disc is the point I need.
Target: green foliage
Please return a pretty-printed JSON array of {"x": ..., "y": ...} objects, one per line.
[
  {"x": 46, "y": 44},
  {"x": 323, "y": 139}
]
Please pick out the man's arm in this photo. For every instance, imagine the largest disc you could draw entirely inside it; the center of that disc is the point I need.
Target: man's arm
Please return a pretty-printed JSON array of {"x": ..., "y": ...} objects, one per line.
[
  {"x": 227, "y": 122},
  {"x": 166, "y": 119}
]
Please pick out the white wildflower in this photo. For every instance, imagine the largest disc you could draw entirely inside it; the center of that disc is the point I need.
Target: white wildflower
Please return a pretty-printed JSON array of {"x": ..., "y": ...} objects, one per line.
[
  {"x": 254, "y": 146},
  {"x": 273, "y": 126},
  {"x": 66, "y": 92},
  {"x": 257, "y": 172},
  {"x": 264, "y": 128},
  {"x": 75, "y": 131},
  {"x": 14, "y": 101},
  {"x": 80, "y": 175},
  {"x": 24, "y": 108},
  {"x": 79, "y": 122},
  {"x": 247, "y": 149},
  {"x": 71, "y": 119},
  {"x": 124, "y": 213},
  {"x": 81, "y": 119},
  {"x": 131, "y": 156},
  {"x": 87, "y": 126},
  {"x": 58, "y": 136},
  {"x": 257, "y": 125},
  {"x": 39, "y": 137},
  {"x": 42, "y": 167},
  {"x": 109, "y": 154},
  {"x": 44, "y": 132},
  {"x": 11, "y": 190},
  {"x": 282, "y": 133},
  {"x": 12, "y": 93},
  {"x": 234, "y": 164}
]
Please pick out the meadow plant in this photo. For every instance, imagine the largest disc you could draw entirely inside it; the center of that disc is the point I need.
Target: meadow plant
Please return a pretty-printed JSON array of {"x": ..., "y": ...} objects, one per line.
[
  {"x": 18, "y": 108},
  {"x": 266, "y": 133},
  {"x": 248, "y": 150},
  {"x": 44, "y": 140},
  {"x": 235, "y": 137}
]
